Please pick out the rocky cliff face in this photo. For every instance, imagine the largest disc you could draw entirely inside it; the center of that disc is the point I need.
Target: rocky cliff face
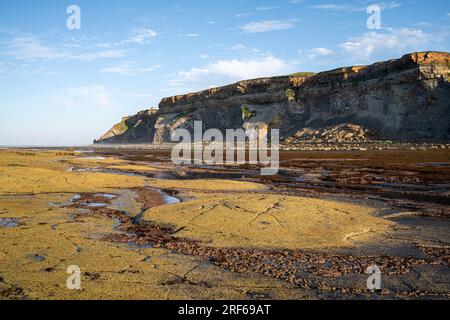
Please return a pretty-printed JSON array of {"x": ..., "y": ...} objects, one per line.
[
  {"x": 135, "y": 129},
  {"x": 404, "y": 99}
]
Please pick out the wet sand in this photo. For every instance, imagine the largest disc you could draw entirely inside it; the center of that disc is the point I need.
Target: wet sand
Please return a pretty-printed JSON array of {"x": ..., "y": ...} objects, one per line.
[{"x": 141, "y": 228}]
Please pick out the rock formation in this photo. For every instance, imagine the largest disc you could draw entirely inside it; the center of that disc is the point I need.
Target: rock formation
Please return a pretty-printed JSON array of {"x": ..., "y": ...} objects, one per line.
[{"x": 406, "y": 99}]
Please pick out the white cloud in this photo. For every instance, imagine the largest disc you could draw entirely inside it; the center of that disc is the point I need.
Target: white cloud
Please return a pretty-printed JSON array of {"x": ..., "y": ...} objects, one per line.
[
  {"x": 141, "y": 35},
  {"x": 388, "y": 5},
  {"x": 267, "y": 25},
  {"x": 246, "y": 69},
  {"x": 397, "y": 41},
  {"x": 128, "y": 69},
  {"x": 30, "y": 47},
  {"x": 222, "y": 72},
  {"x": 369, "y": 47},
  {"x": 241, "y": 15},
  {"x": 320, "y": 52},
  {"x": 85, "y": 96},
  {"x": 238, "y": 47},
  {"x": 238, "y": 69},
  {"x": 193, "y": 74},
  {"x": 385, "y": 5},
  {"x": 243, "y": 48},
  {"x": 337, "y": 7},
  {"x": 266, "y": 8},
  {"x": 192, "y": 35},
  {"x": 100, "y": 54}
]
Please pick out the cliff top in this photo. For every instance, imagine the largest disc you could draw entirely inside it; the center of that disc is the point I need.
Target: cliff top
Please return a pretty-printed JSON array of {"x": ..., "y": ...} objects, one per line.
[{"x": 268, "y": 84}]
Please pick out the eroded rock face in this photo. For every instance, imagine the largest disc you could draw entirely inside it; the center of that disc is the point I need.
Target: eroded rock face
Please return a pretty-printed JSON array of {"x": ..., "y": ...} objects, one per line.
[
  {"x": 404, "y": 99},
  {"x": 334, "y": 134},
  {"x": 139, "y": 128}
]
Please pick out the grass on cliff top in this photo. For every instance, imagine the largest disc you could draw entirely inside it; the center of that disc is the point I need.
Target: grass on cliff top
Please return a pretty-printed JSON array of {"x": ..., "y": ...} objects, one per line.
[
  {"x": 303, "y": 74},
  {"x": 121, "y": 127}
]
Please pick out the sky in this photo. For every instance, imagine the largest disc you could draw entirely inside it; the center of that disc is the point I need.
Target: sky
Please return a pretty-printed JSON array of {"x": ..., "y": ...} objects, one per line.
[{"x": 62, "y": 86}]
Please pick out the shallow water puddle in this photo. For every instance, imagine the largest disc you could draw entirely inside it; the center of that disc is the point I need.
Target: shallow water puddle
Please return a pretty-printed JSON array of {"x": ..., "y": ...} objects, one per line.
[
  {"x": 36, "y": 257},
  {"x": 106, "y": 195},
  {"x": 94, "y": 205},
  {"x": 169, "y": 199},
  {"x": 74, "y": 169},
  {"x": 8, "y": 223},
  {"x": 75, "y": 198}
]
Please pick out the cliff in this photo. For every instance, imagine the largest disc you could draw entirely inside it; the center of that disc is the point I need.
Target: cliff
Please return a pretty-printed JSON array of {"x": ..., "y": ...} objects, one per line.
[
  {"x": 135, "y": 129},
  {"x": 404, "y": 99}
]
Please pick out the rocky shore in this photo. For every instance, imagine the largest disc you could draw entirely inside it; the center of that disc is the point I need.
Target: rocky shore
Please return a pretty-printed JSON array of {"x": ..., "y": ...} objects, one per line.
[{"x": 310, "y": 232}]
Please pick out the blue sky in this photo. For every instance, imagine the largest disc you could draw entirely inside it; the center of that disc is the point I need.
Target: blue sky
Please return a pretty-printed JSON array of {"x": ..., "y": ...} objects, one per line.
[{"x": 67, "y": 87}]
